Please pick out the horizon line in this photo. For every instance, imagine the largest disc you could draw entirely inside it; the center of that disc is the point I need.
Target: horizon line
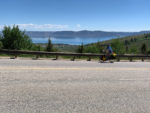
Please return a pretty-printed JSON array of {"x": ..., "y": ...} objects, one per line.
[{"x": 79, "y": 30}]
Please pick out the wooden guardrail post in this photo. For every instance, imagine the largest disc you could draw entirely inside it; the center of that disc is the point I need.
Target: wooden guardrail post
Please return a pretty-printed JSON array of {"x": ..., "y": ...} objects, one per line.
[
  {"x": 13, "y": 57},
  {"x": 118, "y": 59},
  {"x": 56, "y": 57},
  {"x": 73, "y": 59},
  {"x": 99, "y": 58},
  {"x": 16, "y": 56},
  {"x": 37, "y": 56},
  {"x": 130, "y": 59},
  {"x": 89, "y": 59}
]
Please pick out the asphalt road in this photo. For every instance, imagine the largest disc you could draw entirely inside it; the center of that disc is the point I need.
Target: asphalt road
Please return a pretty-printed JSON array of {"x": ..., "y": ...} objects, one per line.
[{"x": 46, "y": 86}]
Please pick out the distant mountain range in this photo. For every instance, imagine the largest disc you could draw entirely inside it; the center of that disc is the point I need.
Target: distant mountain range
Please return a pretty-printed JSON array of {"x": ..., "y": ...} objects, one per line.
[{"x": 83, "y": 34}]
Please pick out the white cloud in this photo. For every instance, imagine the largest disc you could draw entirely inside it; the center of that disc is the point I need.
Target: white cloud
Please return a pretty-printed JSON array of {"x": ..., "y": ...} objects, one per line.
[
  {"x": 1, "y": 27},
  {"x": 39, "y": 26},
  {"x": 78, "y": 26}
]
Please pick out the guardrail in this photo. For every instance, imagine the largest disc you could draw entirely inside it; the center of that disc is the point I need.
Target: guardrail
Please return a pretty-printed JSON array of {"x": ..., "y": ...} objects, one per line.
[{"x": 89, "y": 55}]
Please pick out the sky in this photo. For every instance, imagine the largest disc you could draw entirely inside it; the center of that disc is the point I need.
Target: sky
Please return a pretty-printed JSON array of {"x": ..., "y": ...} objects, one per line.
[{"x": 75, "y": 15}]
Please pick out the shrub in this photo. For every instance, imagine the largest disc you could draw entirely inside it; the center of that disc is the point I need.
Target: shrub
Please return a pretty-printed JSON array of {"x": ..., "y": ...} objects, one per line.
[
  {"x": 133, "y": 50},
  {"x": 117, "y": 46},
  {"x": 91, "y": 49}
]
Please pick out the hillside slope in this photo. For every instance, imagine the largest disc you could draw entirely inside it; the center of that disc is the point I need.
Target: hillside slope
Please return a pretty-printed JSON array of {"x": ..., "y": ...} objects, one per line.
[{"x": 129, "y": 44}]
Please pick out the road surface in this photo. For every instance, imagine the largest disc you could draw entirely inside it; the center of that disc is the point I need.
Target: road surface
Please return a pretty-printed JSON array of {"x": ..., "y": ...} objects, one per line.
[{"x": 46, "y": 86}]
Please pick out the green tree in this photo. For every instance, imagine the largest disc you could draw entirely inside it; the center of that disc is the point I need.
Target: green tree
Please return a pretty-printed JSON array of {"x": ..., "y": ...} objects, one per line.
[
  {"x": 91, "y": 49},
  {"x": 35, "y": 47},
  {"x": 117, "y": 46},
  {"x": 49, "y": 47},
  {"x": 133, "y": 49},
  {"x": 126, "y": 42},
  {"x": 80, "y": 48},
  {"x": 135, "y": 39},
  {"x": 131, "y": 40},
  {"x": 127, "y": 49},
  {"x": 39, "y": 48},
  {"x": 14, "y": 38},
  {"x": 0, "y": 38},
  {"x": 99, "y": 47},
  {"x": 148, "y": 51},
  {"x": 1, "y": 45},
  {"x": 143, "y": 48}
]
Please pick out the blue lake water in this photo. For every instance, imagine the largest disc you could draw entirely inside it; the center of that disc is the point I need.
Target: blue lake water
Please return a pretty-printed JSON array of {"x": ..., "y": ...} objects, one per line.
[{"x": 71, "y": 41}]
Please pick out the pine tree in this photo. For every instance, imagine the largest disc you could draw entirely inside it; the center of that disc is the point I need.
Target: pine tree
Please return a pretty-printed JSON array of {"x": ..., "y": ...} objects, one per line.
[
  {"x": 127, "y": 49},
  {"x": 49, "y": 47},
  {"x": 80, "y": 48},
  {"x": 143, "y": 48}
]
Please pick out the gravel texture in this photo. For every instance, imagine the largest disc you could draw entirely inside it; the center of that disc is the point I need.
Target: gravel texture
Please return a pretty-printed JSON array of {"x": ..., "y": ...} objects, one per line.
[{"x": 46, "y": 86}]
